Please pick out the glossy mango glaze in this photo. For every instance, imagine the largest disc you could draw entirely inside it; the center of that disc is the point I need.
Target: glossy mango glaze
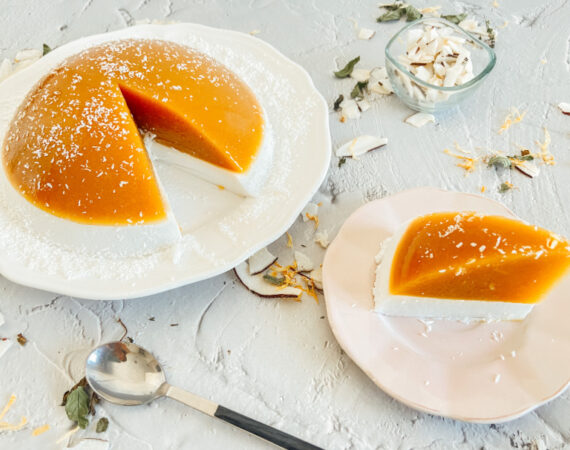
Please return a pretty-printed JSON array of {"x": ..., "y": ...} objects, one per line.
[
  {"x": 462, "y": 255},
  {"x": 74, "y": 147}
]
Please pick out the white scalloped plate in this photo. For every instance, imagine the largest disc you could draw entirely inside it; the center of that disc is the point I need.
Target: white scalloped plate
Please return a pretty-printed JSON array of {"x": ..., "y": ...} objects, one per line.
[
  {"x": 479, "y": 372},
  {"x": 219, "y": 229}
]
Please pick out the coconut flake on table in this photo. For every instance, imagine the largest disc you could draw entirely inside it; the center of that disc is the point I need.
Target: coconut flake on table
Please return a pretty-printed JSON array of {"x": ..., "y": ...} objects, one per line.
[
  {"x": 322, "y": 238},
  {"x": 565, "y": 108},
  {"x": 379, "y": 83},
  {"x": 310, "y": 210},
  {"x": 258, "y": 285},
  {"x": 360, "y": 145},
  {"x": 317, "y": 277},
  {"x": 418, "y": 120},
  {"x": 360, "y": 75},
  {"x": 530, "y": 169},
  {"x": 28, "y": 54},
  {"x": 304, "y": 263},
  {"x": 349, "y": 109},
  {"x": 363, "y": 105},
  {"x": 366, "y": 34},
  {"x": 261, "y": 261}
]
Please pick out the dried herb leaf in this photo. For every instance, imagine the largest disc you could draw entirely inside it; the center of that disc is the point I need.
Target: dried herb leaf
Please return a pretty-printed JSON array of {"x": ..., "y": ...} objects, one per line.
[
  {"x": 46, "y": 49},
  {"x": 347, "y": 70},
  {"x": 102, "y": 425},
  {"x": 412, "y": 14},
  {"x": 21, "y": 339},
  {"x": 504, "y": 187},
  {"x": 455, "y": 18},
  {"x": 491, "y": 34},
  {"x": 341, "y": 161},
  {"x": 392, "y": 7},
  {"x": 337, "y": 102},
  {"x": 392, "y": 15},
  {"x": 500, "y": 161},
  {"x": 524, "y": 157},
  {"x": 77, "y": 406},
  {"x": 359, "y": 89},
  {"x": 277, "y": 281}
]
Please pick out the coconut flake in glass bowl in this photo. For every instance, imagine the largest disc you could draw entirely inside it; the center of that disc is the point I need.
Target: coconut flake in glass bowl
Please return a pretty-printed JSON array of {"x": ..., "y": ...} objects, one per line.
[{"x": 433, "y": 64}]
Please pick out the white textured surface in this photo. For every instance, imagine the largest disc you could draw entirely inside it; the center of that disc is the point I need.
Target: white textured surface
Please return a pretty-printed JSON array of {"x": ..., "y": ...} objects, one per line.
[{"x": 274, "y": 360}]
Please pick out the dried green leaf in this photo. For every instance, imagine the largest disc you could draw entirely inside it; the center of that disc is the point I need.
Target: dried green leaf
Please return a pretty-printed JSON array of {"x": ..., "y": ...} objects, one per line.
[
  {"x": 525, "y": 157},
  {"x": 491, "y": 34},
  {"x": 499, "y": 161},
  {"x": 455, "y": 18},
  {"x": 46, "y": 49},
  {"x": 504, "y": 187},
  {"x": 77, "y": 406},
  {"x": 392, "y": 15},
  {"x": 412, "y": 14},
  {"x": 347, "y": 70},
  {"x": 102, "y": 425},
  {"x": 341, "y": 161},
  {"x": 392, "y": 7},
  {"x": 337, "y": 102},
  {"x": 359, "y": 89},
  {"x": 277, "y": 281}
]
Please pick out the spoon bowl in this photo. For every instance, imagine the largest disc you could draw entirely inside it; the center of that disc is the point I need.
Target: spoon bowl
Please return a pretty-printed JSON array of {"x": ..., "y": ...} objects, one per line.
[{"x": 124, "y": 373}]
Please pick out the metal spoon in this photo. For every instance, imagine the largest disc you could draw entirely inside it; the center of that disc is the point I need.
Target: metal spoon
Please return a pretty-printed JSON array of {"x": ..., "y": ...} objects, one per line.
[{"x": 127, "y": 374}]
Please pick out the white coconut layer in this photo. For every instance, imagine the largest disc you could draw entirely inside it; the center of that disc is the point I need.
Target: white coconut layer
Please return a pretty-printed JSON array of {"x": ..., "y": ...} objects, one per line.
[{"x": 429, "y": 307}]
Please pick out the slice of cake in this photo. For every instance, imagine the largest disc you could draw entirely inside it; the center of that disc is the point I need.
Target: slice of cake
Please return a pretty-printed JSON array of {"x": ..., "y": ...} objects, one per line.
[
  {"x": 73, "y": 149},
  {"x": 463, "y": 265}
]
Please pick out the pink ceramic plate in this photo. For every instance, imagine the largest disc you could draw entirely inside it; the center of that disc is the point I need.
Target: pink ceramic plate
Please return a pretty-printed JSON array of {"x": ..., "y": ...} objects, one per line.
[{"x": 479, "y": 372}]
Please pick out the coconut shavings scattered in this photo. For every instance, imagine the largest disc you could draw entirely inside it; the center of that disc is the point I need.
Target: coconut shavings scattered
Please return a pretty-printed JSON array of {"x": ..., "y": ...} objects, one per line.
[
  {"x": 23, "y": 59},
  {"x": 371, "y": 85},
  {"x": 360, "y": 145},
  {"x": 366, "y": 34},
  {"x": 279, "y": 281},
  {"x": 304, "y": 263},
  {"x": 513, "y": 117},
  {"x": 564, "y": 107},
  {"x": 322, "y": 238},
  {"x": 418, "y": 120},
  {"x": 260, "y": 261}
]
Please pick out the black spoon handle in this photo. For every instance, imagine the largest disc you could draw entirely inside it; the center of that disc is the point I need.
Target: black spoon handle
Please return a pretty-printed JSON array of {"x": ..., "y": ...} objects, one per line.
[{"x": 263, "y": 431}]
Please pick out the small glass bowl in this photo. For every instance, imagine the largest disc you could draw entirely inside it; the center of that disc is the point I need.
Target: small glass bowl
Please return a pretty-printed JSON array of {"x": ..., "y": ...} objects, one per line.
[{"x": 418, "y": 94}]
